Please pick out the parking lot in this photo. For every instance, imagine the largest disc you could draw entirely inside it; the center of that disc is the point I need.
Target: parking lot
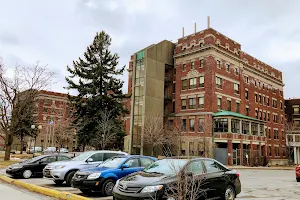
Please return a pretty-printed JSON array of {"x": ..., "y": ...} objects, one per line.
[{"x": 256, "y": 184}]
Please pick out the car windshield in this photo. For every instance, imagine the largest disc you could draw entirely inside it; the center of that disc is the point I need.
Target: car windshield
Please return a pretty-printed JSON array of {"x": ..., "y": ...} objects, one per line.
[
  {"x": 166, "y": 166},
  {"x": 112, "y": 162},
  {"x": 32, "y": 159},
  {"x": 83, "y": 156}
]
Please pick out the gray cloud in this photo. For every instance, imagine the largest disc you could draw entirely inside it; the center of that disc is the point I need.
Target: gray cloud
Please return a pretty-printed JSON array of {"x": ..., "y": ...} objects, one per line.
[{"x": 58, "y": 32}]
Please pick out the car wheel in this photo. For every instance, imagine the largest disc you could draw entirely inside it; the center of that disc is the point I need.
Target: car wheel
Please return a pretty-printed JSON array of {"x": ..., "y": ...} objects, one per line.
[
  {"x": 27, "y": 174},
  {"x": 229, "y": 193},
  {"x": 69, "y": 178},
  {"x": 107, "y": 187},
  {"x": 58, "y": 182},
  {"x": 298, "y": 179},
  {"x": 86, "y": 191}
]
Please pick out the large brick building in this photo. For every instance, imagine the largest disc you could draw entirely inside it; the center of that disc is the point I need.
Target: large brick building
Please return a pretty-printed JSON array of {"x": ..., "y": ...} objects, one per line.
[
  {"x": 52, "y": 111},
  {"x": 218, "y": 95},
  {"x": 292, "y": 128}
]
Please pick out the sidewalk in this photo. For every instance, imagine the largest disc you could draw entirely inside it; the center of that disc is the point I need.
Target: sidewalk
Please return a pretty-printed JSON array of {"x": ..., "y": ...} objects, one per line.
[{"x": 263, "y": 168}]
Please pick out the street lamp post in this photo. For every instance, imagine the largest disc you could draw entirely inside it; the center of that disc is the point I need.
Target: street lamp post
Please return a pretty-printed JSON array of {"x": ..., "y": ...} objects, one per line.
[{"x": 39, "y": 128}]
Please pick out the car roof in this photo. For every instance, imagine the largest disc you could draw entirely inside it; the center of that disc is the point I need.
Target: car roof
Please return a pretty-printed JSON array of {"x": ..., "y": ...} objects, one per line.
[
  {"x": 106, "y": 151},
  {"x": 134, "y": 156}
]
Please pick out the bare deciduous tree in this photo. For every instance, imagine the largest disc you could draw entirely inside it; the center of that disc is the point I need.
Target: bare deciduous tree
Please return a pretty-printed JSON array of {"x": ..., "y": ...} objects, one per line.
[
  {"x": 106, "y": 130},
  {"x": 290, "y": 130},
  {"x": 64, "y": 133},
  {"x": 18, "y": 90}
]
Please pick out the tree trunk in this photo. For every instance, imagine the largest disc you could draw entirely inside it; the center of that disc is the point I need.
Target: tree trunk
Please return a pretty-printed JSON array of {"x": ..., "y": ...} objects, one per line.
[
  {"x": 21, "y": 150},
  {"x": 8, "y": 143},
  {"x": 152, "y": 151}
]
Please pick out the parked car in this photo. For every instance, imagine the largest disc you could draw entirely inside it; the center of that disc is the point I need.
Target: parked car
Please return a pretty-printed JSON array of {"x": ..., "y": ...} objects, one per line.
[
  {"x": 50, "y": 150},
  {"x": 298, "y": 173},
  {"x": 156, "y": 180},
  {"x": 63, "y": 150},
  {"x": 64, "y": 171},
  {"x": 103, "y": 177},
  {"x": 34, "y": 166},
  {"x": 35, "y": 149}
]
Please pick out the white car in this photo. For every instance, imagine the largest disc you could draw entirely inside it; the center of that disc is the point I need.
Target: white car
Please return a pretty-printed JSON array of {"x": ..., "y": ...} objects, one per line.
[
  {"x": 63, "y": 150},
  {"x": 50, "y": 150}
]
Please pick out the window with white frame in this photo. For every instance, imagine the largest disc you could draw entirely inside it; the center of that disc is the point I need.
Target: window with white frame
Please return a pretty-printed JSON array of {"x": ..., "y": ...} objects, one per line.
[
  {"x": 236, "y": 88},
  {"x": 219, "y": 64},
  {"x": 201, "y": 102},
  {"x": 192, "y": 125},
  {"x": 192, "y": 65},
  {"x": 219, "y": 82},
  {"x": 201, "y": 81},
  {"x": 236, "y": 71},
  {"x": 201, "y": 62},
  {"x": 193, "y": 83},
  {"x": 219, "y": 102},
  {"x": 192, "y": 103},
  {"x": 227, "y": 67}
]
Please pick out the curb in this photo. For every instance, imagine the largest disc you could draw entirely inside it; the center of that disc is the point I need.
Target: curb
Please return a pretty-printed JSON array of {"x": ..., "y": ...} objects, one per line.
[
  {"x": 258, "y": 168},
  {"x": 43, "y": 190}
]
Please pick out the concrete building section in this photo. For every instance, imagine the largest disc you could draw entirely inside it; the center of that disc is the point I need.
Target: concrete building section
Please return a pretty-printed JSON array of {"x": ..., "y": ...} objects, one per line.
[
  {"x": 211, "y": 77},
  {"x": 292, "y": 129}
]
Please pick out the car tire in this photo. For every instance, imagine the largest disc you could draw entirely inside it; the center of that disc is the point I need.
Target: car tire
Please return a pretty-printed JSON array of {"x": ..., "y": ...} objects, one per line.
[
  {"x": 298, "y": 179},
  {"x": 26, "y": 174},
  {"x": 86, "y": 191},
  {"x": 69, "y": 178},
  {"x": 107, "y": 187},
  {"x": 229, "y": 193},
  {"x": 58, "y": 182}
]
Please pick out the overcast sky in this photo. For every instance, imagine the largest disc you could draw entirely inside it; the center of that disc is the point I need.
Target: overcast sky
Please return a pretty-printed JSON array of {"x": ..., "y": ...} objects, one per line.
[{"x": 56, "y": 32}]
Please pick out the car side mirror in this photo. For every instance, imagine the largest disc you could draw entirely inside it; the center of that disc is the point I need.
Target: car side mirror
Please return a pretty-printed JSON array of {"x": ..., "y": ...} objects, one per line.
[
  {"x": 89, "y": 160},
  {"x": 125, "y": 166}
]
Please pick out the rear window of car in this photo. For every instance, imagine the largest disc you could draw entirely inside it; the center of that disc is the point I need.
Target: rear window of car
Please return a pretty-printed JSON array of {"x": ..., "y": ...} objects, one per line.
[
  {"x": 60, "y": 158},
  {"x": 146, "y": 162}
]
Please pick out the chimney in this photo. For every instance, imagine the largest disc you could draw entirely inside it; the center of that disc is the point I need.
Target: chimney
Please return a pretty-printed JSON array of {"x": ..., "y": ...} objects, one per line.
[
  {"x": 195, "y": 27},
  {"x": 182, "y": 31},
  {"x": 208, "y": 22}
]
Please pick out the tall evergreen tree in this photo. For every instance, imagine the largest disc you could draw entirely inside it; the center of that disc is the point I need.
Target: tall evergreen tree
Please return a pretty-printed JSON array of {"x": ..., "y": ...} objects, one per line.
[{"x": 95, "y": 78}]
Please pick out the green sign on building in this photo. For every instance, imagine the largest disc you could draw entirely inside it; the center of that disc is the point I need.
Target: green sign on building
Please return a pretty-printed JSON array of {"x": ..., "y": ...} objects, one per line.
[{"x": 140, "y": 55}]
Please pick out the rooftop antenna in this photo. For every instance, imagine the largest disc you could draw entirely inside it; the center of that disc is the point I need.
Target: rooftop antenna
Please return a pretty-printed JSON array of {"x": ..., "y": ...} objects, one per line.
[{"x": 208, "y": 22}]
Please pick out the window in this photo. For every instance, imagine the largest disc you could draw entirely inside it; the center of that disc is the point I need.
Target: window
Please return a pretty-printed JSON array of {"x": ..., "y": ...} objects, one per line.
[
  {"x": 268, "y": 102},
  {"x": 276, "y": 137},
  {"x": 270, "y": 151},
  {"x": 259, "y": 99},
  {"x": 201, "y": 125},
  {"x": 245, "y": 127},
  {"x": 193, "y": 83},
  {"x": 261, "y": 130},
  {"x": 196, "y": 167},
  {"x": 275, "y": 118},
  {"x": 183, "y": 125},
  {"x": 260, "y": 115},
  {"x": 48, "y": 159},
  {"x": 247, "y": 94},
  {"x": 235, "y": 126},
  {"x": 52, "y": 110},
  {"x": 132, "y": 162},
  {"x": 174, "y": 87},
  {"x": 201, "y": 102},
  {"x": 61, "y": 158},
  {"x": 236, "y": 88},
  {"x": 237, "y": 107},
  {"x": 201, "y": 81},
  {"x": 256, "y": 114},
  {"x": 268, "y": 118},
  {"x": 280, "y": 105},
  {"x": 184, "y": 67},
  {"x": 109, "y": 155},
  {"x": 227, "y": 67},
  {"x": 201, "y": 62},
  {"x": 265, "y": 116},
  {"x": 219, "y": 64},
  {"x": 276, "y": 151},
  {"x": 45, "y": 110},
  {"x": 183, "y": 104},
  {"x": 264, "y": 100},
  {"x": 146, "y": 162},
  {"x": 221, "y": 125},
  {"x": 229, "y": 105},
  {"x": 256, "y": 98},
  {"x": 246, "y": 79},
  {"x": 269, "y": 133},
  {"x": 219, "y": 102},
  {"x": 219, "y": 82},
  {"x": 274, "y": 103},
  {"x": 184, "y": 84},
  {"x": 297, "y": 138},
  {"x": 192, "y": 125},
  {"x": 254, "y": 128},
  {"x": 192, "y": 65},
  {"x": 173, "y": 106},
  {"x": 97, "y": 157},
  {"x": 212, "y": 167},
  {"x": 192, "y": 103},
  {"x": 297, "y": 123},
  {"x": 236, "y": 71},
  {"x": 290, "y": 138},
  {"x": 296, "y": 110},
  {"x": 247, "y": 111}
]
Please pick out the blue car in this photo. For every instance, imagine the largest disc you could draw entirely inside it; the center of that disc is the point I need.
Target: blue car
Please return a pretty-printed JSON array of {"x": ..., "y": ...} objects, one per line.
[{"x": 103, "y": 177}]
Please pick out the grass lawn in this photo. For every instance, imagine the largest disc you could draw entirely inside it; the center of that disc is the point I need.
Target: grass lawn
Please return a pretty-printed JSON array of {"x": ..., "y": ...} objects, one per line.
[
  {"x": 21, "y": 156},
  {"x": 5, "y": 164}
]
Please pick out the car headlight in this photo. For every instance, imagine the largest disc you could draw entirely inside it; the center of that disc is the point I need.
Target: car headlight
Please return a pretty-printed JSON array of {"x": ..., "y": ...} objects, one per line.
[
  {"x": 149, "y": 189},
  {"x": 59, "y": 167},
  {"x": 94, "y": 176},
  {"x": 17, "y": 167}
]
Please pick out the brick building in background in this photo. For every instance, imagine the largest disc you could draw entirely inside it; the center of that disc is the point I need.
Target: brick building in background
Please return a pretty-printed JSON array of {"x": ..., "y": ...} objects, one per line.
[
  {"x": 292, "y": 128},
  {"x": 215, "y": 93},
  {"x": 52, "y": 110}
]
